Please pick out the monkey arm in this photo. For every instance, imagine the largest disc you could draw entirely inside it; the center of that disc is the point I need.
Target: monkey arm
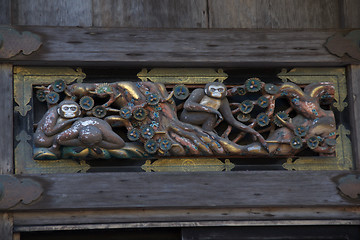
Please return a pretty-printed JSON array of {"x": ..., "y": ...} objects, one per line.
[
  {"x": 226, "y": 112},
  {"x": 58, "y": 127},
  {"x": 48, "y": 122},
  {"x": 192, "y": 103}
]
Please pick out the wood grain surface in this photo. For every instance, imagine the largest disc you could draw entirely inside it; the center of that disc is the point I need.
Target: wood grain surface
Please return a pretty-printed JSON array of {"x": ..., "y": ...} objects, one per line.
[
  {"x": 6, "y": 119},
  {"x": 52, "y": 13},
  {"x": 190, "y": 47},
  {"x": 274, "y": 14},
  {"x": 6, "y": 226},
  {"x": 351, "y": 13},
  {"x": 187, "y": 190},
  {"x": 5, "y": 12},
  {"x": 31, "y": 218},
  {"x": 150, "y": 13}
]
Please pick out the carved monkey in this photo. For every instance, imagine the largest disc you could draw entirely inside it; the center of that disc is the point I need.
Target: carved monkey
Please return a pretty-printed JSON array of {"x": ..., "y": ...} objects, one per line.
[
  {"x": 55, "y": 120},
  {"x": 53, "y": 130},
  {"x": 207, "y": 107}
]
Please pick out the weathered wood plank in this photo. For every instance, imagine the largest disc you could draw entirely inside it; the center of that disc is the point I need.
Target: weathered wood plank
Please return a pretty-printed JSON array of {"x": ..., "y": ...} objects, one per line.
[
  {"x": 52, "y": 13},
  {"x": 351, "y": 13},
  {"x": 198, "y": 224},
  {"x": 274, "y": 14},
  {"x": 190, "y": 47},
  {"x": 6, "y": 119},
  {"x": 354, "y": 82},
  {"x": 303, "y": 13},
  {"x": 26, "y": 219},
  {"x": 150, "y": 13},
  {"x": 6, "y": 226},
  {"x": 233, "y": 14},
  {"x": 187, "y": 190},
  {"x": 5, "y": 12}
]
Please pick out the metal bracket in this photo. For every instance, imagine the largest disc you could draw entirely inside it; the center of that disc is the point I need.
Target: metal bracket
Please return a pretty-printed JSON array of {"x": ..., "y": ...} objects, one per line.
[
  {"x": 14, "y": 190},
  {"x": 13, "y": 42},
  {"x": 345, "y": 46},
  {"x": 349, "y": 186}
]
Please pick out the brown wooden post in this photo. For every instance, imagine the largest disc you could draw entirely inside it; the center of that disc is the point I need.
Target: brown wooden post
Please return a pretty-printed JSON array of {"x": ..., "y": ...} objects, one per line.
[
  {"x": 6, "y": 136},
  {"x": 354, "y": 82},
  {"x": 6, "y": 226},
  {"x": 6, "y": 119}
]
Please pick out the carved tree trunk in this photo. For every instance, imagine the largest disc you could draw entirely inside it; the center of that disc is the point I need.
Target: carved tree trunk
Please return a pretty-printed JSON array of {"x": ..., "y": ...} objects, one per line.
[{"x": 186, "y": 139}]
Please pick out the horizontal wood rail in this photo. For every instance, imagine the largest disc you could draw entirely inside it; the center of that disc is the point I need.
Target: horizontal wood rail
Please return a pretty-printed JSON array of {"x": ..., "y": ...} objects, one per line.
[
  {"x": 187, "y": 190},
  {"x": 179, "y": 48}
]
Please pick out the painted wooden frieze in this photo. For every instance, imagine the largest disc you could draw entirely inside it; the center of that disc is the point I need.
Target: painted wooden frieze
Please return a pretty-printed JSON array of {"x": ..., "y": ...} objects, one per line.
[{"x": 144, "y": 119}]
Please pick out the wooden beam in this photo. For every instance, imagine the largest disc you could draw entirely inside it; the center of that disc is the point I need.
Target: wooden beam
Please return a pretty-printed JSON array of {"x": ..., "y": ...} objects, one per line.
[
  {"x": 41, "y": 218},
  {"x": 179, "y": 48},
  {"x": 6, "y": 119},
  {"x": 178, "y": 224},
  {"x": 187, "y": 190}
]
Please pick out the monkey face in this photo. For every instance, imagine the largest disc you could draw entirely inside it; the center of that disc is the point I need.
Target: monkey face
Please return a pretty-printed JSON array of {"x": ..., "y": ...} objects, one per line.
[
  {"x": 68, "y": 109},
  {"x": 215, "y": 90}
]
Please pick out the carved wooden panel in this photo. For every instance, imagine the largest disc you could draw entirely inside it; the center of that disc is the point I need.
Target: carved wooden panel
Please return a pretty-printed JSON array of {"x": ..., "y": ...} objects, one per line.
[{"x": 180, "y": 120}]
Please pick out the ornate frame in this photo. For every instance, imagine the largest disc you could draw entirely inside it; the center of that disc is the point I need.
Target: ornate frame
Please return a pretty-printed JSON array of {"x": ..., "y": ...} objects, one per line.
[{"x": 26, "y": 77}]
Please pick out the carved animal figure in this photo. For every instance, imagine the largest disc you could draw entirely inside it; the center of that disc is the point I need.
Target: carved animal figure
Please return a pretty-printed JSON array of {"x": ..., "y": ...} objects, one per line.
[
  {"x": 55, "y": 120},
  {"x": 54, "y": 130},
  {"x": 208, "y": 107}
]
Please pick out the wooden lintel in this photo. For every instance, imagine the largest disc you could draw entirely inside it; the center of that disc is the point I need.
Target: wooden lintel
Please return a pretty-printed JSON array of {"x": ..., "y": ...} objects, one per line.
[
  {"x": 245, "y": 223},
  {"x": 31, "y": 219},
  {"x": 188, "y": 190},
  {"x": 179, "y": 48}
]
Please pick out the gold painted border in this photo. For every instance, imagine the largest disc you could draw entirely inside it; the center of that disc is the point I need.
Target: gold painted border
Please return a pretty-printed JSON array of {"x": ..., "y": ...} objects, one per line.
[
  {"x": 182, "y": 75},
  {"x": 188, "y": 165},
  {"x": 26, "y": 77}
]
